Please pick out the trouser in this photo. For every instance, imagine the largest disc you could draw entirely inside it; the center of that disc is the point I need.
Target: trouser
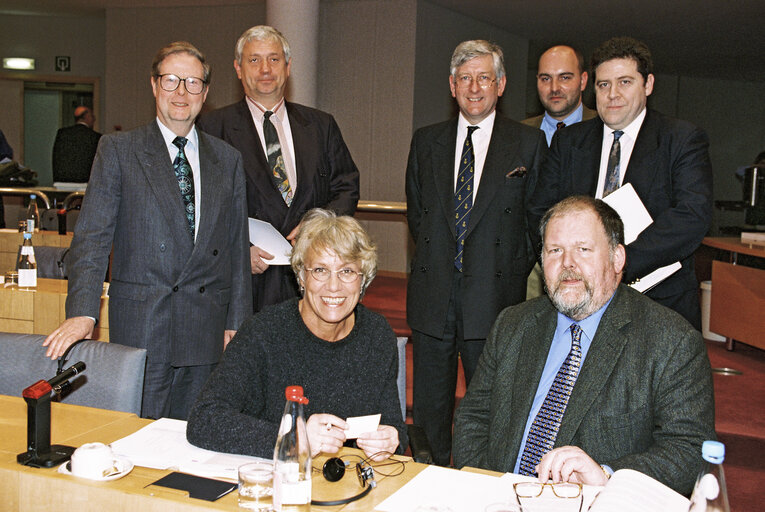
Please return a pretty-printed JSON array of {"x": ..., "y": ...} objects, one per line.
[
  {"x": 170, "y": 391},
  {"x": 435, "y": 376}
]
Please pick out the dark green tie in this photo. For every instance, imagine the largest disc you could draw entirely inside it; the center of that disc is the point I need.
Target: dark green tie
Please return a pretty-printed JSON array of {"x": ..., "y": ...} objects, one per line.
[{"x": 185, "y": 178}]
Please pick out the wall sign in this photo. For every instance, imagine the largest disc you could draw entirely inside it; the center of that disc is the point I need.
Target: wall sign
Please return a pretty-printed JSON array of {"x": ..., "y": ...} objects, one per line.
[{"x": 63, "y": 63}]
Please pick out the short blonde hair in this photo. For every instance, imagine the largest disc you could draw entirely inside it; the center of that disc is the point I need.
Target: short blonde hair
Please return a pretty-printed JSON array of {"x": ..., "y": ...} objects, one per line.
[{"x": 322, "y": 230}]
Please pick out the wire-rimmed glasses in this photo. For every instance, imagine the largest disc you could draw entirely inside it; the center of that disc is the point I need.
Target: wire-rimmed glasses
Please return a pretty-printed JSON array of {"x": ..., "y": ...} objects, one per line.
[
  {"x": 465, "y": 81},
  {"x": 346, "y": 275},
  {"x": 170, "y": 82},
  {"x": 564, "y": 490}
]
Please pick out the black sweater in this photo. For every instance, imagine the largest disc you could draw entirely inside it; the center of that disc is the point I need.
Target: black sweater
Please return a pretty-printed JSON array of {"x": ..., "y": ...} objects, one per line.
[{"x": 240, "y": 407}]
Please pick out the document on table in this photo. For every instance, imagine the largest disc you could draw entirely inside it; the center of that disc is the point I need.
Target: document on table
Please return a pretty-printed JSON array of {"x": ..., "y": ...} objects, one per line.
[
  {"x": 636, "y": 218},
  {"x": 265, "y": 236},
  {"x": 465, "y": 491},
  {"x": 163, "y": 445}
]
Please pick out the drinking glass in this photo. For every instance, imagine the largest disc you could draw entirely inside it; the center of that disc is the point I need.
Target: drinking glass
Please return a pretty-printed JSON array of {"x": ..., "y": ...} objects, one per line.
[{"x": 256, "y": 486}]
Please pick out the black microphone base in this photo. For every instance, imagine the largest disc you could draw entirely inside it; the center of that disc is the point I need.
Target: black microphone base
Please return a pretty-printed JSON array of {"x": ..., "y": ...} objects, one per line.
[{"x": 57, "y": 454}]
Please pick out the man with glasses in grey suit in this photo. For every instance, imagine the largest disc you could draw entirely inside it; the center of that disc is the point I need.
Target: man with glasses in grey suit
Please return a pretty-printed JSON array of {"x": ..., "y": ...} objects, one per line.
[{"x": 168, "y": 202}]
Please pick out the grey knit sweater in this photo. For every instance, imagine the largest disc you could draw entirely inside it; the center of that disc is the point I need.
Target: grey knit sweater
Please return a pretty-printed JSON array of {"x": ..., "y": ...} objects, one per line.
[{"x": 239, "y": 409}]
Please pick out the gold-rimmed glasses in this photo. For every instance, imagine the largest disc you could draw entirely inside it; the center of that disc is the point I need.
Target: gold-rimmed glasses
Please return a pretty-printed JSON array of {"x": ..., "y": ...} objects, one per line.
[
  {"x": 169, "y": 82},
  {"x": 346, "y": 275},
  {"x": 465, "y": 81},
  {"x": 564, "y": 490}
]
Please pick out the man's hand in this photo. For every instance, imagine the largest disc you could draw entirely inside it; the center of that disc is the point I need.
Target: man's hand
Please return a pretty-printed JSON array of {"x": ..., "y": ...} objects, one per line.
[
  {"x": 326, "y": 433},
  {"x": 570, "y": 464},
  {"x": 257, "y": 255},
  {"x": 383, "y": 442},
  {"x": 293, "y": 234},
  {"x": 71, "y": 330},
  {"x": 228, "y": 335}
]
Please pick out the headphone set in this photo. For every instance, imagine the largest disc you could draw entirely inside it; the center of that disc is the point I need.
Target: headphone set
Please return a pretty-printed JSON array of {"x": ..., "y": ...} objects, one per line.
[{"x": 334, "y": 469}]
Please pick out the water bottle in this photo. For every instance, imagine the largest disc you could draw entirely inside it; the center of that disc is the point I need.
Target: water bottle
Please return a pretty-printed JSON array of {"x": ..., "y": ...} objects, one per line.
[
  {"x": 33, "y": 215},
  {"x": 27, "y": 264},
  {"x": 710, "y": 493},
  {"x": 292, "y": 457}
]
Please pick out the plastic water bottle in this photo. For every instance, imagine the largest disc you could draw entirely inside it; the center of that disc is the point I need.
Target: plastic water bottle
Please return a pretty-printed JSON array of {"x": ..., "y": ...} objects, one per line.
[
  {"x": 292, "y": 457},
  {"x": 710, "y": 493},
  {"x": 33, "y": 215},
  {"x": 27, "y": 264}
]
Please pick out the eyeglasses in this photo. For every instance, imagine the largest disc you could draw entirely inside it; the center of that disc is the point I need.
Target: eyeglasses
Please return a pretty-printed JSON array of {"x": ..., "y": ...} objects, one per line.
[
  {"x": 346, "y": 275},
  {"x": 465, "y": 81},
  {"x": 170, "y": 82},
  {"x": 534, "y": 489}
]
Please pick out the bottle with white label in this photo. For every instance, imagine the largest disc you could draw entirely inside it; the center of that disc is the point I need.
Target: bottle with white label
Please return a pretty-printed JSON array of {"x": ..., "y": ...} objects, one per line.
[
  {"x": 292, "y": 457},
  {"x": 33, "y": 215},
  {"x": 27, "y": 264}
]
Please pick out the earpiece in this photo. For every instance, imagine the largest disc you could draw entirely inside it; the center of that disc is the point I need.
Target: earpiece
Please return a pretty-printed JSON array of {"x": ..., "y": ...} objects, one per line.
[{"x": 334, "y": 469}]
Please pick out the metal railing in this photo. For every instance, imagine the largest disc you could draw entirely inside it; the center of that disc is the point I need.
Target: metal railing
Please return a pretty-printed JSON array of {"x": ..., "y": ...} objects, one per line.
[{"x": 14, "y": 191}]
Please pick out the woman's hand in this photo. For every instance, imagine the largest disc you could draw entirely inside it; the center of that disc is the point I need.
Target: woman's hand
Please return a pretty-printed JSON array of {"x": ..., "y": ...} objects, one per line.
[
  {"x": 326, "y": 433},
  {"x": 385, "y": 439}
]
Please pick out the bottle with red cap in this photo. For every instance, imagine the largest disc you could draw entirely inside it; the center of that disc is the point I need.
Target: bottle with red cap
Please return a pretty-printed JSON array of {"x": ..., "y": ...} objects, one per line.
[{"x": 292, "y": 457}]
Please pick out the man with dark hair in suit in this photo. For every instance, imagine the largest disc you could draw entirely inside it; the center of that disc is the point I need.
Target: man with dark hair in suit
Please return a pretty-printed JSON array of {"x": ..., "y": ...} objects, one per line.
[
  {"x": 561, "y": 79},
  {"x": 168, "y": 202},
  {"x": 621, "y": 381},
  {"x": 294, "y": 156},
  {"x": 666, "y": 161},
  {"x": 75, "y": 148},
  {"x": 467, "y": 182}
]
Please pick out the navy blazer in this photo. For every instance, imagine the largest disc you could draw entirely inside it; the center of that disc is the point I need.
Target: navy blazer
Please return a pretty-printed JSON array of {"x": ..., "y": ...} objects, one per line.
[
  {"x": 497, "y": 256},
  {"x": 671, "y": 173}
]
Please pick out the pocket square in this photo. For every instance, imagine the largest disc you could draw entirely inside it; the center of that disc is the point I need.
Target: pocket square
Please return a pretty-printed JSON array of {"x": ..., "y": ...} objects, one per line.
[{"x": 518, "y": 172}]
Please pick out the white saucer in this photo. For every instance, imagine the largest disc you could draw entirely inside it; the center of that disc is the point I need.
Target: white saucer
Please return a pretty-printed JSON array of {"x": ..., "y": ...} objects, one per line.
[{"x": 123, "y": 466}]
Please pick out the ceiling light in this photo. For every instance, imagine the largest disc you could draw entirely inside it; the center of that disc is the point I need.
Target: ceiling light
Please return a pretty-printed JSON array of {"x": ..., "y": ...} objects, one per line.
[{"x": 18, "y": 63}]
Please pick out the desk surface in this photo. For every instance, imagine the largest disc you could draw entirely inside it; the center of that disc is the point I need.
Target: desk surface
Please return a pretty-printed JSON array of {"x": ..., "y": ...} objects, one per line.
[
  {"x": 734, "y": 244},
  {"x": 34, "y": 489}
]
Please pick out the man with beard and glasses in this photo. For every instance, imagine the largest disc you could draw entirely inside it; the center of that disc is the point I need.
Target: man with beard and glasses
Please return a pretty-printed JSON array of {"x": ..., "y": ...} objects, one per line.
[{"x": 622, "y": 382}]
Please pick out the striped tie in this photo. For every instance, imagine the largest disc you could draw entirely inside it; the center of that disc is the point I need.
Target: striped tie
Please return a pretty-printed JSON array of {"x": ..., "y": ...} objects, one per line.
[
  {"x": 544, "y": 428},
  {"x": 185, "y": 178},
  {"x": 463, "y": 195}
]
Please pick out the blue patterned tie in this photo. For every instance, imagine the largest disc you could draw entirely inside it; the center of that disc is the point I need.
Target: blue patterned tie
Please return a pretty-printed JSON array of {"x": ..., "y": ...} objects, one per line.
[
  {"x": 275, "y": 158},
  {"x": 544, "y": 428},
  {"x": 463, "y": 195},
  {"x": 182, "y": 170},
  {"x": 612, "y": 170}
]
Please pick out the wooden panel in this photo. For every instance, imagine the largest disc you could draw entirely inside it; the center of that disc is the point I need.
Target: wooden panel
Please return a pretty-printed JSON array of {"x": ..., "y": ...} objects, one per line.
[
  {"x": 46, "y": 312},
  {"x": 738, "y": 303},
  {"x": 16, "y": 304},
  {"x": 16, "y": 326}
]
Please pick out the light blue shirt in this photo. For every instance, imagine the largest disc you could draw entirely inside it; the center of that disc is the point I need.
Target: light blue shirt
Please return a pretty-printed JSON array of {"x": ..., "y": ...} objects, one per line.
[
  {"x": 549, "y": 125},
  {"x": 561, "y": 346}
]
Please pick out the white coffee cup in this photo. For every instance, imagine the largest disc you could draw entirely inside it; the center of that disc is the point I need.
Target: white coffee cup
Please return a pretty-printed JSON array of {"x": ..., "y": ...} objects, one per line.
[{"x": 92, "y": 460}]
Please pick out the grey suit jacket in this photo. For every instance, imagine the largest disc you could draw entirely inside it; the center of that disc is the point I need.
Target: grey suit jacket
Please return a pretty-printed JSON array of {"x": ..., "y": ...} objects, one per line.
[
  {"x": 497, "y": 256},
  {"x": 168, "y": 294},
  {"x": 643, "y": 399},
  {"x": 536, "y": 121}
]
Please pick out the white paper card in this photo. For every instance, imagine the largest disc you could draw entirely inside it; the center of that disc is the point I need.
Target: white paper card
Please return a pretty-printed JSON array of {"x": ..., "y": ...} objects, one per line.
[
  {"x": 636, "y": 218},
  {"x": 265, "y": 236},
  {"x": 361, "y": 424}
]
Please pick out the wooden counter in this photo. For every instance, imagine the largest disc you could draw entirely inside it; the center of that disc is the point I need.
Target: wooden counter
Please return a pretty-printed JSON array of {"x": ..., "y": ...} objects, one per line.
[
  {"x": 38, "y": 489},
  {"x": 41, "y": 310},
  {"x": 738, "y": 294}
]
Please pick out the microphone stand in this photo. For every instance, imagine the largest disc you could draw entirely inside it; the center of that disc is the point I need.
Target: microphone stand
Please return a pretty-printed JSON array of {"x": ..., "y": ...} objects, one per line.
[{"x": 40, "y": 453}]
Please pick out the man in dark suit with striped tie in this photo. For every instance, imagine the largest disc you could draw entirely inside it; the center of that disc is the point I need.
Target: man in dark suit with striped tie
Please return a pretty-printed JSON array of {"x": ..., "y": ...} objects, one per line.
[
  {"x": 621, "y": 381},
  {"x": 467, "y": 182}
]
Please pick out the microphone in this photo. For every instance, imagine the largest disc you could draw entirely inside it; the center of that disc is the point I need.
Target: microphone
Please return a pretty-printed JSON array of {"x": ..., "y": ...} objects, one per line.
[{"x": 57, "y": 384}]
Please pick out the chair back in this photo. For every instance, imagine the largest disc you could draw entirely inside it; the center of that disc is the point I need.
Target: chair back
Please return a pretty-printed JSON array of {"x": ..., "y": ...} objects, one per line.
[{"x": 113, "y": 376}]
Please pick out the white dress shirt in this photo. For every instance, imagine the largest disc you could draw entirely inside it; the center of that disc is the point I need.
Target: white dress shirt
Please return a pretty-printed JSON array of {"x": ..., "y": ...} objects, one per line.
[
  {"x": 281, "y": 122},
  {"x": 626, "y": 143},
  {"x": 481, "y": 138}
]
